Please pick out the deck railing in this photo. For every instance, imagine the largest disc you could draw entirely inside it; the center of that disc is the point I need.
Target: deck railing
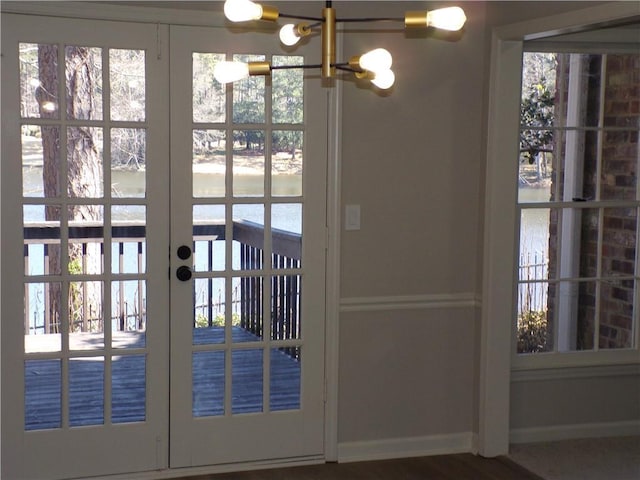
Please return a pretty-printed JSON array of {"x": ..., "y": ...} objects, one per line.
[
  {"x": 533, "y": 285},
  {"x": 284, "y": 321}
]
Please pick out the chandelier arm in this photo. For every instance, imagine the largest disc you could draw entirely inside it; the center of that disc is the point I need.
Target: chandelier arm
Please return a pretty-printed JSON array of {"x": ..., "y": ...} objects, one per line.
[
  {"x": 293, "y": 67},
  {"x": 346, "y": 68},
  {"x": 301, "y": 17},
  {"x": 369, "y": 20}
]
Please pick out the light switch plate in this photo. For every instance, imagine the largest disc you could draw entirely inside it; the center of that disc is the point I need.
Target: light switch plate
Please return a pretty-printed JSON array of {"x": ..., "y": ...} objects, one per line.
[{"x": 352, "y": 217}]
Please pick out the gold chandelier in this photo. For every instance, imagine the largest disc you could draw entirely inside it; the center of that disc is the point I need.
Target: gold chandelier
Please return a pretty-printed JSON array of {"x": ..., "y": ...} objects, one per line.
[{"x": 374, "y": 65}]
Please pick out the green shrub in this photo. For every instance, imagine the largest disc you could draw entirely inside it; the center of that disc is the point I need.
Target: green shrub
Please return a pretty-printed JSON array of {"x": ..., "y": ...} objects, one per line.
[{"x": 532, "y": 331}]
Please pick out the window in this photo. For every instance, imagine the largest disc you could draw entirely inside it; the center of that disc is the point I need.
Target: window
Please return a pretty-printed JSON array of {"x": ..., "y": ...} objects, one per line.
[{"x": 577, "y": 203}]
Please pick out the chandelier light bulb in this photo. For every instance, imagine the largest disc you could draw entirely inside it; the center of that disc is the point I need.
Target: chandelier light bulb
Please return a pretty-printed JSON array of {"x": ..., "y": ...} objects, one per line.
[
  {"x": 384, "y": 79},
  {"x": 227, "y": 72},
  {"x": 450, "y": 18},
  {"x": 289, "y": 35},
  {"x": 242, "y": 10},
  {"x": 376, "y": 60}
]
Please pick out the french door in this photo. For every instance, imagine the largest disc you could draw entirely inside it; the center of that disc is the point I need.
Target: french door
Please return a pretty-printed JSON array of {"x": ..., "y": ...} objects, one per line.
[
  {"x": 248, "y": 236},
  {"x": 163, "y": 243}
]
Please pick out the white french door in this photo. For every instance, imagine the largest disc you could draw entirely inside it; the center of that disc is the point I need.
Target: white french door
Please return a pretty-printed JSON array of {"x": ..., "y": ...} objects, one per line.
[
  {"x": 84, "y": 248},
  {"x": 167, "y": 309},
  {"x": 248, "y": 200}
]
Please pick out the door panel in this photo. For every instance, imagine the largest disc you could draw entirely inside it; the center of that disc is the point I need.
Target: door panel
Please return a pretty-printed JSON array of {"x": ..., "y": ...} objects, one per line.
[
  {"x": 84, "y": 343},
  {"x": 247, "y": 383},
  {"x": 103, "y": 352}
]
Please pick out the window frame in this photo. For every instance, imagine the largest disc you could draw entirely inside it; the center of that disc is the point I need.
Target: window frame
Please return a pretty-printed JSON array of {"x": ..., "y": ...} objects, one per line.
[
  {"x": 497, "y": 362},
  {"x": 558, "y": 335}
]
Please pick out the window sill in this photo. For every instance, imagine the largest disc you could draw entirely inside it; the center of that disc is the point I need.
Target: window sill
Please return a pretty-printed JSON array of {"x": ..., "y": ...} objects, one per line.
[{"x": 575, "y": 365}]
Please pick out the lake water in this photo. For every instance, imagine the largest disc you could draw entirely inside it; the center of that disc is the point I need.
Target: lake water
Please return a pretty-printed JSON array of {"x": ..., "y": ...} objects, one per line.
[
  {"x": 534, "y": 222},
  {"x": 131, "y": 184},
  {"x": 534, "y": 249}
]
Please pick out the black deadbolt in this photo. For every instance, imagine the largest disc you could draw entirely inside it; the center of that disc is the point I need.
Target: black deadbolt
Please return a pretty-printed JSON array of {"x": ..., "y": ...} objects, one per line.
[
  {"x": 183, "y": 273},
  {"x": 184, "y": 252}
]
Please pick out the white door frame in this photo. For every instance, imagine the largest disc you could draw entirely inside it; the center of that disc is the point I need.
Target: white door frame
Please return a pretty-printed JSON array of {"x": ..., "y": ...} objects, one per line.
[
  {"x": 500, "y": 223},
  {"x": 161, "y": 16}
]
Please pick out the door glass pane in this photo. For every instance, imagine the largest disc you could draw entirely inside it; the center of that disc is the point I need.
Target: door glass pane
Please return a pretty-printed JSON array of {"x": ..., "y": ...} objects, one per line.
[
  {"x": 249, "y": 95},
  {"x": 128, "y": 313},
  {"x": 246, "y": 381},
  {"x": 209, "y": 238},
  {"x": 210, "y": 311},
  {"x": 128, "y": 162},
  {"x": 285, "y": 378},
  {"x": 128, "y": 239},
  {"x": 287, "y": 90},
  {"x": 209, "y": 163},
  {"x": 83, "y": 69},
  {"x": 42, "y": 321},
  {"x": 248, "y": 314},
  {"x": 248, "y": 163},
  {"x": 85, "y": 258},
  {"x": 248, "y": 237},
  {"x": 86, "y": 391},
  {"x": 41, "y": 239},
  {"x": 128, "y": 389},
  {"x": 40, "y": 178},
  {"x": 85, "y": 176},
  {"x": 286, "y": 163},
  {"x": 42, "y": 394},
  {"x": 208, "y": 383},
  {"x": 38, "y": 80},
  {"x": 209, "y": 99},
  {"x": 286, "y": 322},
  {"x": 85, "y": 222},
  {"x": 286, "y": 235},
  {"x": 126, "y": 79},
  {"x": 86, "y": 319}
]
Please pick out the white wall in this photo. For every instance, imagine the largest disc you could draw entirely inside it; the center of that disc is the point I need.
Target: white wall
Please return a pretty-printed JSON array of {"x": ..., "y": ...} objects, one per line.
[{"x": 414, "y": 161}]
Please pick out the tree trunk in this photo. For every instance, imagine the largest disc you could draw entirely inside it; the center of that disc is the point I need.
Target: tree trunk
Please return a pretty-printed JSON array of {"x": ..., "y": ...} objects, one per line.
[
  {"x": 83, "y": 179},
  {"x": 48, "y": 92}
]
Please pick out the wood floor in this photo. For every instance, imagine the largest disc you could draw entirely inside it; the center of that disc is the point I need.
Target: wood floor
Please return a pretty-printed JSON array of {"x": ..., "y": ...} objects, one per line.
[{"x": 441, "y": 467}]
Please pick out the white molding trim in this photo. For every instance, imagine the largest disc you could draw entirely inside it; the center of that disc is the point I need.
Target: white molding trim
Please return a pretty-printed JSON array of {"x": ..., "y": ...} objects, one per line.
[
  {"x": 410, "y": 302},
  {"x": 121, "y": 13},
  {"x": 573, "y": 21},
  {"x": 596, "y": 371},
  {"x": 406, "y": 447},
  {"x": 575, "y": 431},
  {"x": 332, "y": 324}
]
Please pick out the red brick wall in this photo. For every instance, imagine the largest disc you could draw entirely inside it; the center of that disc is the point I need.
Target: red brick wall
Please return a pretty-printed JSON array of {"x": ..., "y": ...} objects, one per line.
[{"x": 619, "y": 161}]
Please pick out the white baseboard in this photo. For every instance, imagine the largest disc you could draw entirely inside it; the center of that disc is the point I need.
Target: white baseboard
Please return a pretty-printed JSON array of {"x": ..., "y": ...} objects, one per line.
[
  {"x": 406, "y": 447},
  {"x": 575, "y": 431}
]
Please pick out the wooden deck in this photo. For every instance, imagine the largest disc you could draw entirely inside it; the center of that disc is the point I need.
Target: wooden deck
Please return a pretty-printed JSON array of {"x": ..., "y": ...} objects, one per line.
[{"x": 43, "y": 399}]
